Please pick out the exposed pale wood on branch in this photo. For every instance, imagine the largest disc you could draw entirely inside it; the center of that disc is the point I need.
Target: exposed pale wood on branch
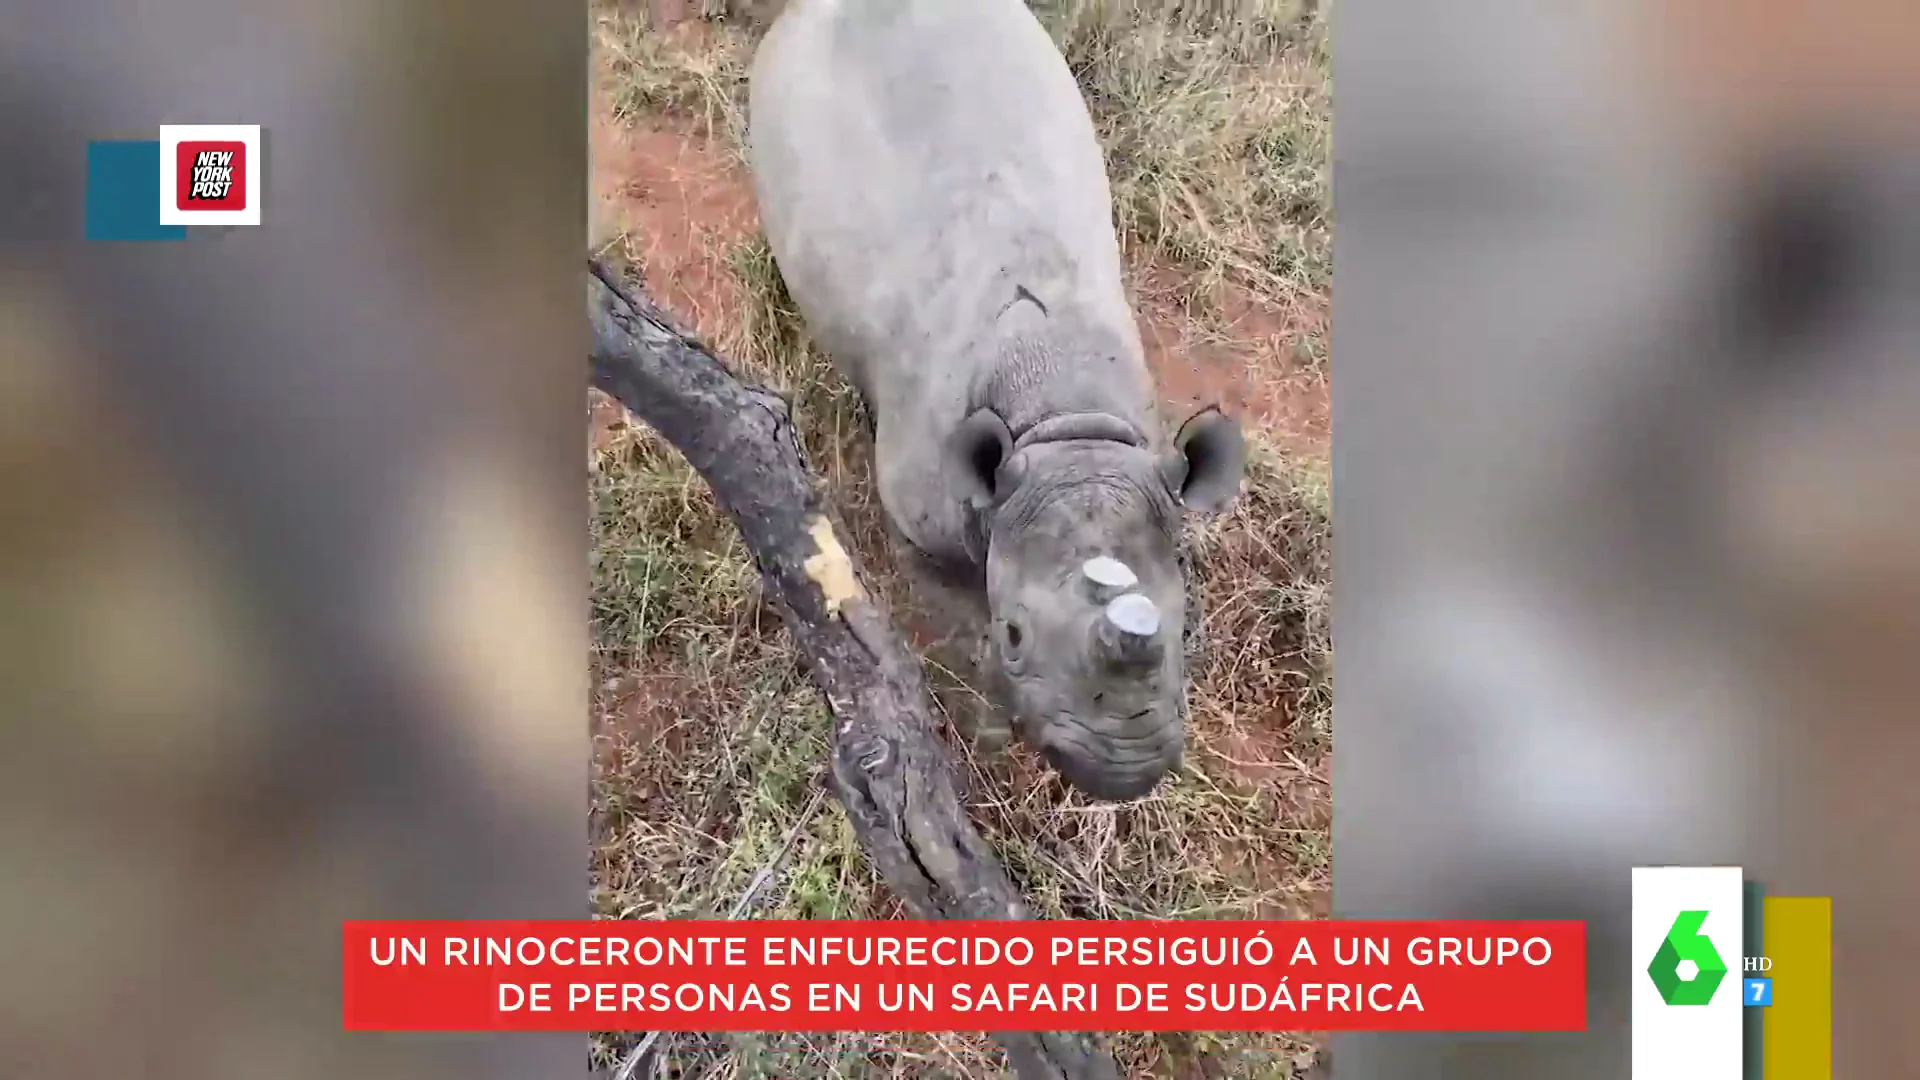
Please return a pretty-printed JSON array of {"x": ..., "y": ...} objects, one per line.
[{"x": 889, "y": 767}]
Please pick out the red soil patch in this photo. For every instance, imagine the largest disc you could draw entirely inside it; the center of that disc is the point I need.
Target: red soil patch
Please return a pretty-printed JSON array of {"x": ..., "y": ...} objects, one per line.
[
  {"x": 606, "y": 418},
  {"x": 670, "y": 13},
  {"x": 681, "y": 206},
  {"x": 1255, "y": 756},
  {"x": 1248, "y": 367},
  {"x": 644, "y": 706},
  {"x": 653, "y": 709}
]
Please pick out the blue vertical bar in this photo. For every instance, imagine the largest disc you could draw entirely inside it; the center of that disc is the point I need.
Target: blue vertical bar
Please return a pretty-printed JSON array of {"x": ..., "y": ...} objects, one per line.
[{"x": 123, "y": 193}]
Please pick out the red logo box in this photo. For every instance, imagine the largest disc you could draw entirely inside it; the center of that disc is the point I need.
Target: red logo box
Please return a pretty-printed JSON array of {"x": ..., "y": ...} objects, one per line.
[{"x": 212, "y": 176}]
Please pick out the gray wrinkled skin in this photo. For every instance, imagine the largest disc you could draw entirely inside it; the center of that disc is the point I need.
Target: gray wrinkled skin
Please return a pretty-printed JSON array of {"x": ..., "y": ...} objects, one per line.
[{"x": 936, "y": 199}]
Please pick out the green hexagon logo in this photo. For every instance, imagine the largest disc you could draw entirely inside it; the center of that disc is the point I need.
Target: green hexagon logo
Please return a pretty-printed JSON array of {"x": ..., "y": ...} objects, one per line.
[{"x": 1685, "y": 943}]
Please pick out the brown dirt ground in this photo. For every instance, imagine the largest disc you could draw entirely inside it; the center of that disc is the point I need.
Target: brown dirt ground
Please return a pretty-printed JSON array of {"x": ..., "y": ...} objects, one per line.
[{"x": 684, "y": 203}]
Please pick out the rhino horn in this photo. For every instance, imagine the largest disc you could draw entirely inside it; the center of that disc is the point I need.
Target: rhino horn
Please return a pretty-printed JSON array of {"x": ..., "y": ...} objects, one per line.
[
  {"x": 1105, "y": 578},
  {"x": 1127, "y": 634}
]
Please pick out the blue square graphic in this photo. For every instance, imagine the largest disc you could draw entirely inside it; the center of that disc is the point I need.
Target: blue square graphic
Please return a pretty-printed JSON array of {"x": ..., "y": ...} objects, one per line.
[
  {"x": 1756, "y": 993},
  {"x": 123, "y": 193}
]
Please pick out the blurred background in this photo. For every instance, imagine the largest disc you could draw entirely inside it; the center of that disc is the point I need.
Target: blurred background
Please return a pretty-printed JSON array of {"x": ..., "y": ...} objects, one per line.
[
  {"x": 1627, "y": 374},
  {"x": 1627, "y": 389},
  {"x": 293, "y": 532}
]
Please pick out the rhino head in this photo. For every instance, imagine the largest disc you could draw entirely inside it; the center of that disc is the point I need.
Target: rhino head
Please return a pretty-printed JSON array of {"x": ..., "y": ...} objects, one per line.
[{"x": 1084, "y": 585}]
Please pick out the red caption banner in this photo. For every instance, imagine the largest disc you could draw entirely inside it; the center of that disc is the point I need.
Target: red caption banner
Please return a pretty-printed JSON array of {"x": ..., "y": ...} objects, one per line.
[{"x": 965, "y": 976}]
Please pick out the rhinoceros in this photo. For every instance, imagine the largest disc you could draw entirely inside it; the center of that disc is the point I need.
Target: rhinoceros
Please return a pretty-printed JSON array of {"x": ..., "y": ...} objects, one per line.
[{"x": 936, "y": 199}]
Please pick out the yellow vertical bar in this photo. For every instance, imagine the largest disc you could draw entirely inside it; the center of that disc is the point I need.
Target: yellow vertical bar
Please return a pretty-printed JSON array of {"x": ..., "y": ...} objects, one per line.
[{"x": 1798, "y": 1033}]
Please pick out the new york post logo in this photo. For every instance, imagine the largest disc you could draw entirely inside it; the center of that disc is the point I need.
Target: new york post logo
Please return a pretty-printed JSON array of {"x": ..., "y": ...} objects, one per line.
[
  {"x": 210, "y": 174},
  {"x": 1687, "y": 969},
  {"x": 213, "y": 176}
]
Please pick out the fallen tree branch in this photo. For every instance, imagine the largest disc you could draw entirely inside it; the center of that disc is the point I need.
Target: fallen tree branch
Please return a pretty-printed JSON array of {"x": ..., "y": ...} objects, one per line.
[{"x": 889, "y": 767}]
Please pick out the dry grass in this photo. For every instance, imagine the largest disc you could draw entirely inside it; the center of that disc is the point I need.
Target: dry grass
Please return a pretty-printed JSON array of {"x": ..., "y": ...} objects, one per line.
[
  {"x": 1216, "y": 116},
  {"x": 1216, "y": 121},
  {"x": 710, "y": 744},
  {"x": 696, "y": 74}
]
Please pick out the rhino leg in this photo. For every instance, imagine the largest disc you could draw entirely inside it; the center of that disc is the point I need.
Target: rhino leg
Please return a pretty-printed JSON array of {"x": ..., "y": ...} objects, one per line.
[
  {"x": 947, "y": 616},
  {"x": 956, "y": 677}
]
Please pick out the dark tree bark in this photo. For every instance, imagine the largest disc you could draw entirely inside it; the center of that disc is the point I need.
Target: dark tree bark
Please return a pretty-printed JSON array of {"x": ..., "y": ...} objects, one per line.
[{"x": 889, "y": 767}]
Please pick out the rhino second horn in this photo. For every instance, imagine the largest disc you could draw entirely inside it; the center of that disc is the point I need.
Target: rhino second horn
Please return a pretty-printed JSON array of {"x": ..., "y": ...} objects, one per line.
[
  {"x": 1106, "y": 577},
  {"x": 1128, "y": 633}
]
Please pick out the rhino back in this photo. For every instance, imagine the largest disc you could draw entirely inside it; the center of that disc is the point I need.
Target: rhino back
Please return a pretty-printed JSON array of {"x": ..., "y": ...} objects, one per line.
[{"x": 918, "y": 162}]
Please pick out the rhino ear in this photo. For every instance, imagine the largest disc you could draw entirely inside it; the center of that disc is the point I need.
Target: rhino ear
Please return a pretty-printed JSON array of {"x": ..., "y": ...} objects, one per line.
[
  {"x": 975, "y": 453},
  {"x": 1208, "y": 462}
]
